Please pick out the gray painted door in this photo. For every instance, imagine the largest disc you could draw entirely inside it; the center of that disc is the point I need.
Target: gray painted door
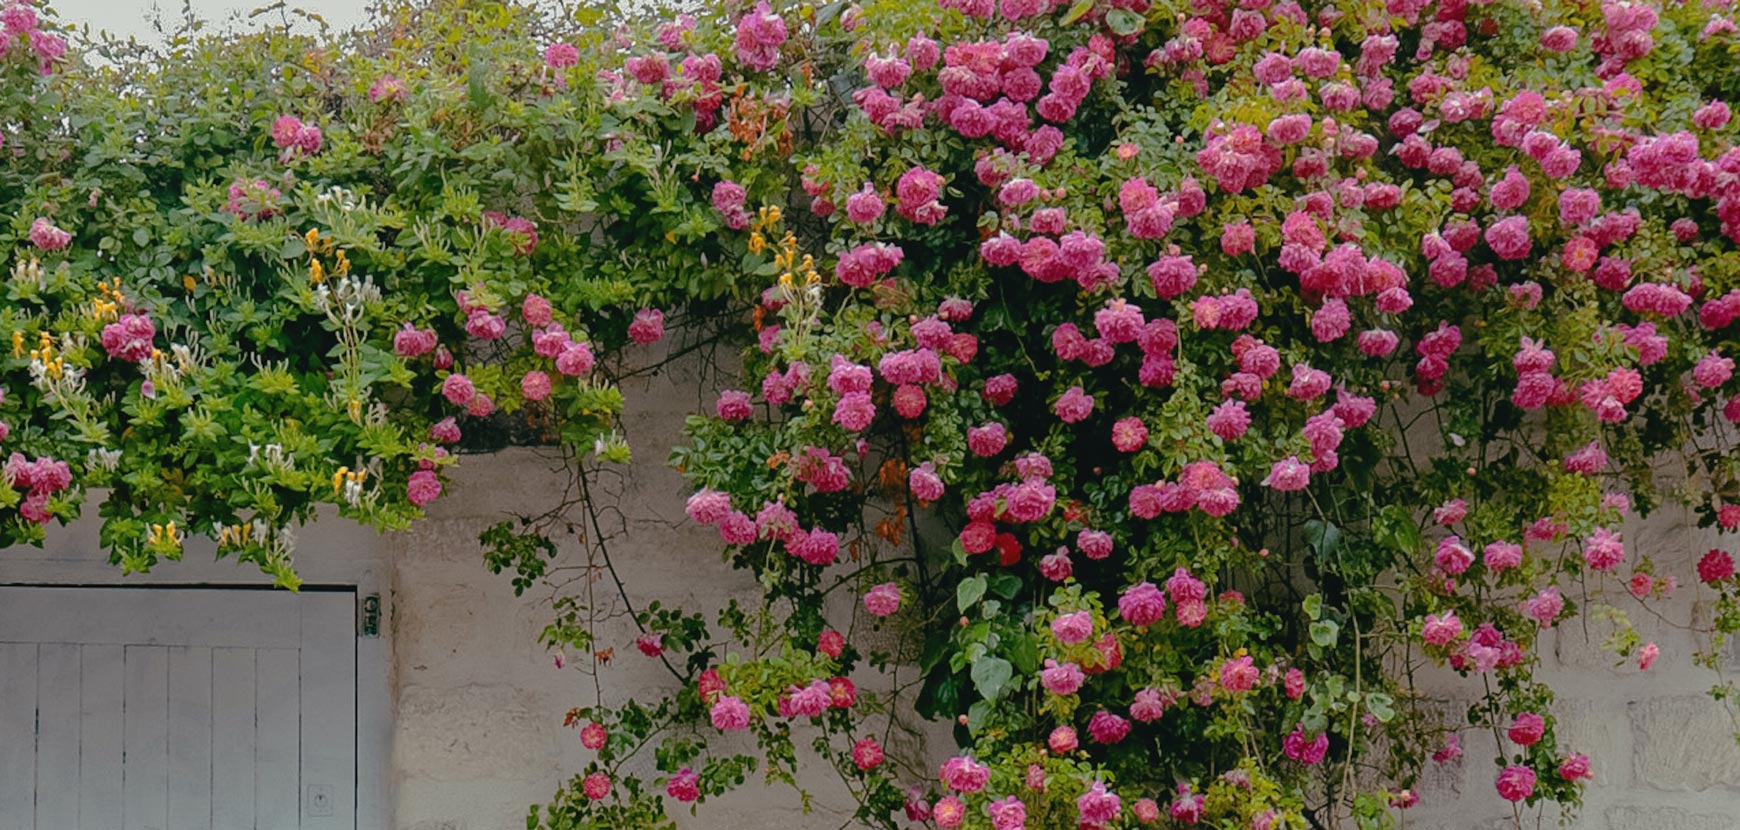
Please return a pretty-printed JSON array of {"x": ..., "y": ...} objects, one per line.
[{"x": 177, "y": 709}]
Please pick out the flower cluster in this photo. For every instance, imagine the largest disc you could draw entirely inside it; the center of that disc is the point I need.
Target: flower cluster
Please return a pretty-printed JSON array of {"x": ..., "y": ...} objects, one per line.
[{"x": 1179, "y": 377}]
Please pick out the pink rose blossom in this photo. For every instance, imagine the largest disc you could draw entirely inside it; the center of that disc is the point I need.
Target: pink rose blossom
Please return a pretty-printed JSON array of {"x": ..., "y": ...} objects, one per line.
[
  {"x": 1098, "y": 807},
  {"x": 535, "y": 386},
  {"x": 129, "y": 338},
  {"x": 1238, "y": 674},
  {"x": 596, "y": 786},
  {"x": 1544, "y": 607},
  {"x": 1452, "y": 556},
  {"x": 1142, "y": 605},
  {"x": 457, "y": 389},
  {"x": 684, "y": 786},
  {"x": 1061, "y": 679},
  {"x": 423, "y": 487},
  {"x": 1107, "y": 728},
  {"x": 882, "y": 600},
  {"x": 593, "y": 736},
  {"x": 1288, "y": 474},
  {"x": 1603, "y": 551},
  {"x": 1715, "y": 566},
  {"x": 1308, "y": 752},
  {"x": 729, "y": 714},
  {"x": 962, "y": 774},
  {"x": 561, "y": 55},
  {"x": 46, "y": 236},
  {"x": 1073, "y": 628},
  {"x": 1441, "y": 630},
  {"x": 1516, "y": 783},
  {"x": 1527, "y": 729}
]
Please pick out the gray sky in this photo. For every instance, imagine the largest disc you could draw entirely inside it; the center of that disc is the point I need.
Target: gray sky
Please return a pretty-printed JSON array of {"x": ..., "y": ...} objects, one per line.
[{"x": 132, "y": 17}]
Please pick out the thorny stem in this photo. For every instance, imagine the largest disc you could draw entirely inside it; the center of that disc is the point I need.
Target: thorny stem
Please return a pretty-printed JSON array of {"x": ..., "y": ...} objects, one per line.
[{"x": 610, "y": 566}]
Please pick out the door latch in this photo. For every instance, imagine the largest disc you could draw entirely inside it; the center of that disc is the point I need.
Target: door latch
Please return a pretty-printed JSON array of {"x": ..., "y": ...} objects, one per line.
[{"x": 369, "y": 616}]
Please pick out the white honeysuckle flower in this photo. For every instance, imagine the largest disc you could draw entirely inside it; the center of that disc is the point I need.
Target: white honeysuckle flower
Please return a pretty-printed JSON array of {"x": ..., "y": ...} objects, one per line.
[
  {"x": 103, "y": 458},
  {"x": 353, "y": 492}
]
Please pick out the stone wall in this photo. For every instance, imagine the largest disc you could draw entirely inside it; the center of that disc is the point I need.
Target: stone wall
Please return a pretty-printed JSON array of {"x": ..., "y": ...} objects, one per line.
[
  {"x": 1664, "y": 753},
  {"x": 475, "y": 705},
  {"x": 480, "y": 703}
]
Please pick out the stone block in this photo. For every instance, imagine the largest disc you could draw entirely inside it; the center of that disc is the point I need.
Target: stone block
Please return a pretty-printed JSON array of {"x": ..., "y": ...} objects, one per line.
[
  {"x": 1596, "y": 729},
  {"x": 1580, "y": 647},
  {"x": 1684, "y": 742},
  {"x": 1668, "y": 818},
  {"x": 1442, "y": 783},
  {"x": 473, "y": 733}
]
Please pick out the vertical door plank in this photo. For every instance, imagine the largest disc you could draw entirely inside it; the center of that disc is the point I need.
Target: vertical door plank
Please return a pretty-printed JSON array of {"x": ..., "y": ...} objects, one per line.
[
  {"x": 329, "y": 711},
  {"x": 232, "y": 738},
  {"x": 17, "y": 736},
  {"x": 57, "y": 735},
  {"x": 145, "y": 740},
  {"x": 277, "y": 757},
  {"x": 101, "y": 695},
  {"x": 190, "y": 755}
]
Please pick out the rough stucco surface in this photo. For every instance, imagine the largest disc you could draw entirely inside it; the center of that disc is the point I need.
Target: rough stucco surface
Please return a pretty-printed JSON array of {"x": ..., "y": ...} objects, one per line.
[
  {"x": 1664, "y": 753},
  {"x": 477, "y": 704},
  {"x": 478, "y": 734}
]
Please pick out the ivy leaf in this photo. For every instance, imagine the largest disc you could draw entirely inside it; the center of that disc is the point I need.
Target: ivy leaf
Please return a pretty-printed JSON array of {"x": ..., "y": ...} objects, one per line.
[
  {"x": 1314, "y": 606},
  {"x": 969, "y": 592},
  {"x": 1325, "y": 633},
  {"x": 990, "y": 675},
  {"x": 1382, "y": 706}
]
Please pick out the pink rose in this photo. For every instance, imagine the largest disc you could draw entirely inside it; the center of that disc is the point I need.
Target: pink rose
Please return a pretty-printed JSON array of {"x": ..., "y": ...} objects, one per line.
[
  {"x": 867, "y": 754},
  {"x": 1516, "y": 783},
  {"x": 1527, "y": 729},
  {"x": 684, "y": 786},
  {"x": 882, "y": 600},
  {"x": 729, "y": 714},
  {"x": 647, "y": 327},
  {"x": 535, "y": 386},
  {"x": 596, "y": 786}
]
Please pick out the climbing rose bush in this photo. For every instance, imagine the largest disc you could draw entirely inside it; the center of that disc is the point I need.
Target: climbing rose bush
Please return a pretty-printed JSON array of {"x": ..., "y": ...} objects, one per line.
[
  {"x": 1186, "y": 395},
  {"x": 1187, "y": 383}
]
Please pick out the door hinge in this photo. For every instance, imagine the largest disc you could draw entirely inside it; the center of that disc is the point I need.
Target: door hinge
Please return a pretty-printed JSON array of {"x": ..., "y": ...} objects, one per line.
[{"x": 368, "y": 622}]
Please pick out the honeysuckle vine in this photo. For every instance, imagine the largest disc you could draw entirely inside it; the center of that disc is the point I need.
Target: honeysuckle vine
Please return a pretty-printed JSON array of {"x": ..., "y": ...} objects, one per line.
[{"x": 1219, "y": 403}]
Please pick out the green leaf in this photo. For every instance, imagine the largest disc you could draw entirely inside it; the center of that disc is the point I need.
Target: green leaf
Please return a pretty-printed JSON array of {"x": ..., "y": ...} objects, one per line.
[
  {"x": 293, "y": 247},
  {"x": 1078, "y": 11},
  {"x": 990, "y": 675},
  {"x": 977, "y": 714},
  {"x": 1395, "y": 529},
  {"x": 1123, "y": 22},
  {"x": 1324, "y": 539},
  {"x": 1325, "y": 632},
  {"x": 968, "y": 593},
  {"x": 1314, "y": 606},
  {"x": 1382, "y": 706}
]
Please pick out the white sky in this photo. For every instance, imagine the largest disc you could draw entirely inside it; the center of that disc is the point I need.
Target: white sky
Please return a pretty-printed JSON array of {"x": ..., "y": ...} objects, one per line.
[{"x": 132, "y": 17}]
